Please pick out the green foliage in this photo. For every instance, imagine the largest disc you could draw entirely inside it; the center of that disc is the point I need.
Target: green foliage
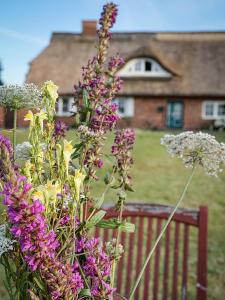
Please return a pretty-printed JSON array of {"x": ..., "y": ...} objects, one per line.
[
  {"x": 115, "y": 224},
  {"x": 95, "y": 219}
]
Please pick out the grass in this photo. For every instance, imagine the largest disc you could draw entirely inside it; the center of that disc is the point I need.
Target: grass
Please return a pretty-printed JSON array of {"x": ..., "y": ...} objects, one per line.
[{"x": 158, "y": 178}]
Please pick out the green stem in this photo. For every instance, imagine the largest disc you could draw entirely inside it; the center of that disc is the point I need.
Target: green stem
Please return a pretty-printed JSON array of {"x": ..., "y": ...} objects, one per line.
[
  {"x": 14, "y": 131},
  {"x": 160, "y": 236},
  {"x": 117, "y": 245}
]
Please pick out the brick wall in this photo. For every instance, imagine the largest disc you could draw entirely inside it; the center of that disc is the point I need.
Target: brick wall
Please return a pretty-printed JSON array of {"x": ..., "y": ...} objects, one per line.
[
  {"x": 68, "y": 120},
  {"x": 193, "y": 115},
  {"x": 21, "y": 123},
  {"x": 150, "y": 113},
  {"x": 2, "y": 117},
  {"x": 20, "y": 118}
]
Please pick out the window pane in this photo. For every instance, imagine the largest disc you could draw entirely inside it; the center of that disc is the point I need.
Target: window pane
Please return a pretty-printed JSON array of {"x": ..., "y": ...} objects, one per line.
[
  {"x": 121, "y": 108},
  {"x": 221, "y": 109},
  {"x": 209, "y": 109},
  {"x": 65, "y": 104},
  {"x": 137, "y": 66},
  {"x": 148, "y": 66}
]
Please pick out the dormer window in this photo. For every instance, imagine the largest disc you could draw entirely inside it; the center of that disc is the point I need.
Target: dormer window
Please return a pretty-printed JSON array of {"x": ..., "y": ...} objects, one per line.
[
  {"x": 148, "y": 66},
  {"x": 144, "y": 67}
]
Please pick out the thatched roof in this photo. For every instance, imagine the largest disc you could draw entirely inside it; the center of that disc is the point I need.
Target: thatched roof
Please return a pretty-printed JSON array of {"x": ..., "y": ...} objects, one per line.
[{"x": 195, "y": 60}]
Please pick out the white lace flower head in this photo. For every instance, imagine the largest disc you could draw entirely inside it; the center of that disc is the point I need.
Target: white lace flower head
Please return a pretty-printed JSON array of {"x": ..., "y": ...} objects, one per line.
[
  {"x": 17, "y": 97},
  {"x": 197, "y": 148},
  {"x": 6, "y": 244},
  {"x": 23, "y": 151}
]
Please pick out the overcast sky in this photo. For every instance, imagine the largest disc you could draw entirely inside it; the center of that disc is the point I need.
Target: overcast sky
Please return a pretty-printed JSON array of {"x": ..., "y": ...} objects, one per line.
[{"x": 26, "y": 25}]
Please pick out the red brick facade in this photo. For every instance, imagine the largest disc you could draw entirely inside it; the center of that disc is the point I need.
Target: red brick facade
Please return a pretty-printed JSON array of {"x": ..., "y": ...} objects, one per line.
[
  {"x": 149, "y": 113},
  {"x": 2, "y": 117}
]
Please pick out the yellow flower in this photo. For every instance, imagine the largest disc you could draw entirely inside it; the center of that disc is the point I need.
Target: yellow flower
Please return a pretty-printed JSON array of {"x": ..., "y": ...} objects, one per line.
[
  {"x": 67, "y": 152},
  {"x": 50, "y": 89},
  {"x": 39, "y": 195},
  {"x": 41, "y": 116},
  {"x": 47, "y": 193},
  {"x": 52, "y": 189},
  {"x": 27, "y": 170},
  {"x": 68, "y": 147},
  {"x": 78, "y": 181},
  {"x": 36, "y": 119},
  {"x": 29, "y": 117}
]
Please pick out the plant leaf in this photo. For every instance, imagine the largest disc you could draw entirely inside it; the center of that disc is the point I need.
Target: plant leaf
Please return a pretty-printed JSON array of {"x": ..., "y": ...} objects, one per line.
[
  {"x": 109, "y": 224},
  {"x": 85, "y": 98},
  {"x": 127, "y": 227},
  {"x": 99, "y": 201},
  {"x": 85, "y": 292},
  {"x": 95, "y": 219},
  {"x": 114, "y": 224}
]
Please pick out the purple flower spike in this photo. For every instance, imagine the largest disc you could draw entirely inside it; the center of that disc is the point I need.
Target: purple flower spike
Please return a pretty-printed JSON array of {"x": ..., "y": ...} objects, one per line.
[
  {"x": 60, "y": 130},
  {"x": 5, "y": 145},
  {"x": 38, "y": 244}
]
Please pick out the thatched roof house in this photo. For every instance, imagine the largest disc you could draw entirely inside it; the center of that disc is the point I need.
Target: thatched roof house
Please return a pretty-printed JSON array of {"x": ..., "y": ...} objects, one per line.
[{"x": 170, "y": 79}]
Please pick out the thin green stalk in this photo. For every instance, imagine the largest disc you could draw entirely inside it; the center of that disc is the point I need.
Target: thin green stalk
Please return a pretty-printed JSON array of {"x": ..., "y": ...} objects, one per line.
[
  {"x": 14, "y": 131},
  {"x": 160, "y": 236},
  {"x": 117, "y": 245},
  {"x": 83, "y": 275}
]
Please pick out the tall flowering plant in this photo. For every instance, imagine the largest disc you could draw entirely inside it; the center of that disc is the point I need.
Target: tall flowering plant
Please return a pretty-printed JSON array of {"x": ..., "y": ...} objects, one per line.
[
  {"x": 46, "y": 246},
  {"x": 46, "y": 185}
]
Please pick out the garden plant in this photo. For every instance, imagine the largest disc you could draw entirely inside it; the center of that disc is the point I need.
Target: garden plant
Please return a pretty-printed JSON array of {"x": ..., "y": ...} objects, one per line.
[{"x": 46, "y": 242}]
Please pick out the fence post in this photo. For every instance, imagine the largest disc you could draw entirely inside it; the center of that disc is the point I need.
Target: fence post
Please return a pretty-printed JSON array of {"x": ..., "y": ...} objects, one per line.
[{"x": 202, "y": 254}]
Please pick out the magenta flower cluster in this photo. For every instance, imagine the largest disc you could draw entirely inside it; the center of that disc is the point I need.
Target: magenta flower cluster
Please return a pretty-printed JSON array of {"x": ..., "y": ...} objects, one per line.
[
  {"x": 97, "y": 267},
  {"x": 60, "y": 130},
  {"x": 6, "y": 157},
  {"x": 105, "y": 116},
  {"x": 38, "y": 244},
  {"x": 5, "y": 144},
  {"x": 108, "y": 15},
  {"x": 124, "y": 141},
  {"x": 123, "y": 144},
  {"x": 95, "y": 93}
]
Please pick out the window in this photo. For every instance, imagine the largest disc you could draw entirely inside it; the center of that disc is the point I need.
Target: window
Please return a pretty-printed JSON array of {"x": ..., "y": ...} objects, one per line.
[
  {"x": 121, "y": 106},
  {"x": 65, "y": 107},
  {"x": 137, "y": 66},
  {"x": 212, "y": 110},
  {"x": 143, "y": 67},
  {"x": 209, "y": 109},
  {"x": 221, "y": 109},
  {"x": 148, "y": 66},
  {"x": 125, "y": 106}
]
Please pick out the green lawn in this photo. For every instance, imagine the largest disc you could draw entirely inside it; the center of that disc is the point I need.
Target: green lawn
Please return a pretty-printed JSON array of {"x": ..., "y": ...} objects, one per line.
[{"x": 160, "y": 179}]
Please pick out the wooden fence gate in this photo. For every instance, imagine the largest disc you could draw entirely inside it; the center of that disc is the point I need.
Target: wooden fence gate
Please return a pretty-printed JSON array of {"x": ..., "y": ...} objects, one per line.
[{"x": 178, "y": 269}]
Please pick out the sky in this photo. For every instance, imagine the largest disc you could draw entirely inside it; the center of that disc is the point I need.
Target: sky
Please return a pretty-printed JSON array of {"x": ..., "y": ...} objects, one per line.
[{"x": 26, "y": 25}]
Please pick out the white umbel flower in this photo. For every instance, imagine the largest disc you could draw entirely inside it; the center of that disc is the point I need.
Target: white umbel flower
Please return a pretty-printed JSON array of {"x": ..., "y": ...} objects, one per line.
[
  {"x": 23, "y": 151},
  {"x": 5, "y": 243},
  {"x": 17, "y": 97},
  {"x": 197, "y": 148}
]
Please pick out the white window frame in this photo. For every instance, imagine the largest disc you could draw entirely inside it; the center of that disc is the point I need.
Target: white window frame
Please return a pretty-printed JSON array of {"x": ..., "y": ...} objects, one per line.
[
  {"x": 128, "y": 106},
  {"x": 69, "y": 113},
  {"x": 157, "y": 70},
  {"x": 215, "y": 115}
]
